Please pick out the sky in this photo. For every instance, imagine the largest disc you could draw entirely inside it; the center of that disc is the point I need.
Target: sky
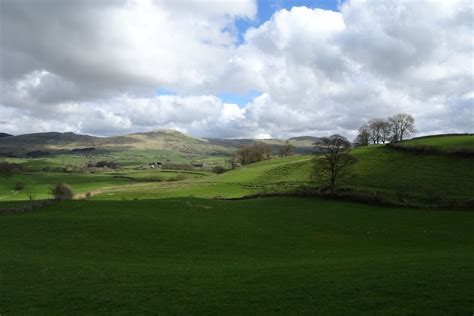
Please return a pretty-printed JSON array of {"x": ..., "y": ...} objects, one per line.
[{"x": 235, "y": 68}]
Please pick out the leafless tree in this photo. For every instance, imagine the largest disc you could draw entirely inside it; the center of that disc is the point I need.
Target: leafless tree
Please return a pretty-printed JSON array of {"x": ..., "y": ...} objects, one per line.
[
  {"x": 287, "y": 149},
  {"x": 233, "y": 160},
  {"x": 386, "y": 132},
  {"x": 402, "y": 125},
  {"x": 375, "y": 130},
  {"x": 379, "y": 130},
  {"x": 363, "y": 136},
  {"x": 336, "y": 162}
]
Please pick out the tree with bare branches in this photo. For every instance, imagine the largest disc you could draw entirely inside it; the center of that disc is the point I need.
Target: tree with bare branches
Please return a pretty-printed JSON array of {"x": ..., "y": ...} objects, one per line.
[
  {"x": 287, "y": 149},
  {"x": 402, "y": 124},
  {"x": 335, "y": 164},
  {"x": 363, "y": 136}
]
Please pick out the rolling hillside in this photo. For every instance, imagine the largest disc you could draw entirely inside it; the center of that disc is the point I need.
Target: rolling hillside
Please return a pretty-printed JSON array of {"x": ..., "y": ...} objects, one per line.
[
  {"x": 444, "y": 141},
  {"x": 380, "y": 170},
  {"x": 41, "y": 144}
]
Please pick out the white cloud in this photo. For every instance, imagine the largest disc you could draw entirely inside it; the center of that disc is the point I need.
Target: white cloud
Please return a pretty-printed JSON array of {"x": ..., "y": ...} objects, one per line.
[{"x": 319, "y": 71}]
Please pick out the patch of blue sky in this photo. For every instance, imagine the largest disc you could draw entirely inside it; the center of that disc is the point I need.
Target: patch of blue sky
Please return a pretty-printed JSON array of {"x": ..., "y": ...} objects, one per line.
[
  {"x": 240, "y": 99},
  {"x": 164, "y": 91},
  {"x": 266, "y": 9}
]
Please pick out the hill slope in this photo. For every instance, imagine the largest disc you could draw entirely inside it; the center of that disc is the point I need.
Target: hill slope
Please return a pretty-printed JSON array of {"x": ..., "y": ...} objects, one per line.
[
  {"x": 444, "y": 141},
  {"x": 389, "y": 173},
  {"x": 164, "y": 140}
]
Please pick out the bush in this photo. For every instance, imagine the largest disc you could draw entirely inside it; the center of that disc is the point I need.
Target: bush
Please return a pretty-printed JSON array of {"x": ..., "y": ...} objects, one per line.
[
  {"x": 432, "y": 197},
  {"x": 107, "y": 164},
  {"x": 178, "y": 177},
  {"x": 31, "y": 196},
  {"x": 61, "y": 191},
  {"x": 19, "y": 186},
  {"x": 218, "y": 169},
  {"x": 8, "y": 169}
]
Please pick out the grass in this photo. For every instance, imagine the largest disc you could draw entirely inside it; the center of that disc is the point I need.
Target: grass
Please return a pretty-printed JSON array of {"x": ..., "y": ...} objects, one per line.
[
  {"x": 381, "y": 168},
  {"x": 197, "y": 256},
  {"x": 39, "y": 182},
  {"x": 455, "y": 141}
]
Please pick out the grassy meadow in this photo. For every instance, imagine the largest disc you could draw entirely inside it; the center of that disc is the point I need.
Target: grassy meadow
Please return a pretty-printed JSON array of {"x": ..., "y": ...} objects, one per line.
[
  {"x": 152, "y": 241},
  {"x": 454, "y": 141},
  {"x": 263, "y": 256}
]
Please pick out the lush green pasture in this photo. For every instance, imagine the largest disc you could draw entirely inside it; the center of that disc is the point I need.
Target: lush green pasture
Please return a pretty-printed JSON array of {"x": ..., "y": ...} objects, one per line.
[
  {"x": 382, "y": 168},
  {"x": 277, "y": 174},
  {"x": 38, "y": 183},
  {"x": 389, "y": 172},
  {"x": 197, "y": 256},
  {"x": 455, "y": 141}
]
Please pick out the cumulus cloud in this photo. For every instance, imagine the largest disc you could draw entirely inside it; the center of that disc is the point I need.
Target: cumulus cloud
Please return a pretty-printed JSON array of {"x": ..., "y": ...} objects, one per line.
[{"x": 95, "y": 66}]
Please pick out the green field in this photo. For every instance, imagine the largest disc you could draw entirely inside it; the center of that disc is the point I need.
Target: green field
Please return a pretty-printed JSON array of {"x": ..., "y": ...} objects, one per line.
[
  {"x": 199, "y": 256},
  {"x": 458, "y": 141},
  {"x": 380, "y": 170},
  {"x": 158, "y": 242}
]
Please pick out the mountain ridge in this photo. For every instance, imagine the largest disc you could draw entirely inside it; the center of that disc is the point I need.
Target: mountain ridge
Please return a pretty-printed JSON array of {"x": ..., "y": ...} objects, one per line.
[{"x": 55, "y": 142}]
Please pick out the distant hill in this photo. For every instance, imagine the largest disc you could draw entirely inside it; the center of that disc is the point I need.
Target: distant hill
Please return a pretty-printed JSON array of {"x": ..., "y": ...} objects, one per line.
[
  {"x": 39, "y": 144},
  {"x": 303, "y": 144},
  {"x": 5, "y": 135}
]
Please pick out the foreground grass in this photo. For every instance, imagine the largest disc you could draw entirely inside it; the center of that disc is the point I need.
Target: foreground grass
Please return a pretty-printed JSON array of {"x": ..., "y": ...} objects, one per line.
[{"x": 197, "y": 256}]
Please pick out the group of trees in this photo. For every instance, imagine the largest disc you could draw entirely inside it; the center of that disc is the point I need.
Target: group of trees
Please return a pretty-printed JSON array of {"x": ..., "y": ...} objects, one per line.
[
  {"x": 251, "y": 153},
  {"x": 9, "y": 169},
  {"x": 380, "y": 131},
  {"x": 103, "y": 164},
  {"x": 257, "y": 152}
]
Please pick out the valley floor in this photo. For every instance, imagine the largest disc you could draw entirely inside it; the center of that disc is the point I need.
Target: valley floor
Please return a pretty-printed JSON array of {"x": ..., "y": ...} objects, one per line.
[{"x": 202, "y": 256}]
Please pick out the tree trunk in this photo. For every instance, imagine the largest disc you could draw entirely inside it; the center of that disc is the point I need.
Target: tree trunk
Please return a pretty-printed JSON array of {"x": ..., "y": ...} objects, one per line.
[{"x": 333, "y": 186}]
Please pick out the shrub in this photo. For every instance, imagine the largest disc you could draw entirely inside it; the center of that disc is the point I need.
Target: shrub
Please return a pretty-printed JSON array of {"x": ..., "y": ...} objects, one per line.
[
  {"x": 218, "y": 169},
  {"x": 19, "y": 186},
  {"x": 107, "y": 164},
  {"x": 178, "y": 177},
  {"x": 401, "y": 196},
  {"x": 31, "y": 196},
  {"x": 8, "y": 169},
  {"x": 432, "y": 197},
  {"x": 61, "y": 191}
]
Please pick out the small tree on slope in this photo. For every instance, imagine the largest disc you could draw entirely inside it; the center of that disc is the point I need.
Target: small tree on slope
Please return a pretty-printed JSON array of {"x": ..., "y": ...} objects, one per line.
[{"x": 335, "y": 164}]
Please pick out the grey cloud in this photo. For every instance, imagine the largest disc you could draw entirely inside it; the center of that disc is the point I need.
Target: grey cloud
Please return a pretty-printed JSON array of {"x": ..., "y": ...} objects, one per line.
[{"x": 75, "y": 66}]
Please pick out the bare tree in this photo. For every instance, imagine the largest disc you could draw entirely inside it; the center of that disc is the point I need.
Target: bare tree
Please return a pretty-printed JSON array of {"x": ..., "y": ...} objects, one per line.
[
  {"x": 363, "y": 136},
  {"x": 287, "y": 149},
  {"x": 379, "y": 130},
  {"x": 233, "y": 160},
  {"x": 402, "y": 125},
  {"x": 265, "y": 150},
  {"x": 386, "y": 132},
  {"x": 336, "y": 162},
  {"x": 375, "y": 130}
]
